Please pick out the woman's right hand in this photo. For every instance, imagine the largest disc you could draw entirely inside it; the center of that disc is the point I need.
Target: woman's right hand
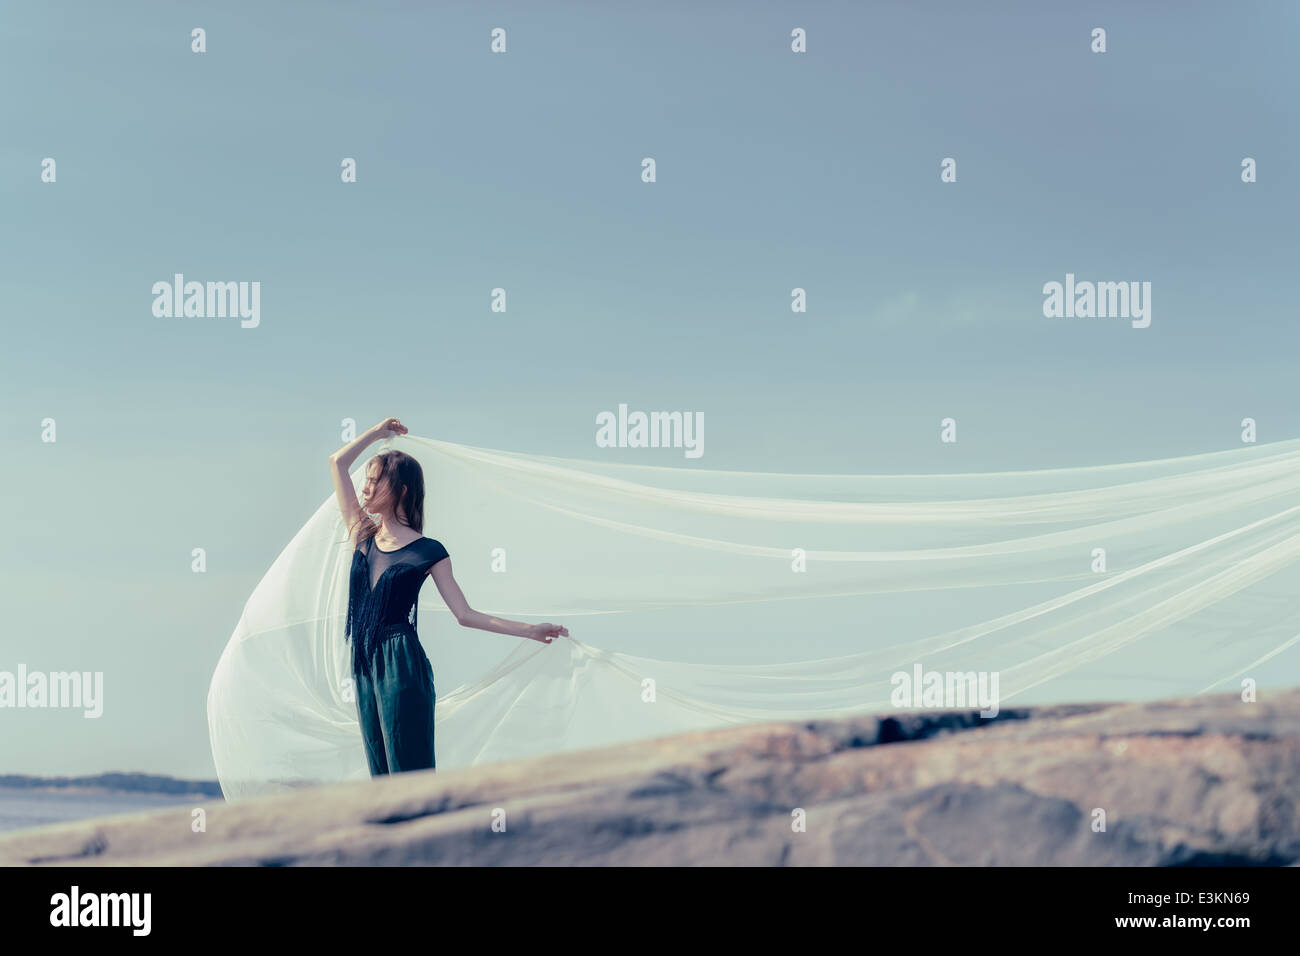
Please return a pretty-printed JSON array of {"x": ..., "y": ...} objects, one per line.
[{"x": 389, "y": 428}]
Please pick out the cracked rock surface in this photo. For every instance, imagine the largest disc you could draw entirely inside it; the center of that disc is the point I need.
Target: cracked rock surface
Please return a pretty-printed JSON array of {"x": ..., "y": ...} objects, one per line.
[{"x": 1197, "y": 781}]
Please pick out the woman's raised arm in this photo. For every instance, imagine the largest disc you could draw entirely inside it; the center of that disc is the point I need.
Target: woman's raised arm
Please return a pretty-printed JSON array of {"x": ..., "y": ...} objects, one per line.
[{"x": 341, "y": 462}]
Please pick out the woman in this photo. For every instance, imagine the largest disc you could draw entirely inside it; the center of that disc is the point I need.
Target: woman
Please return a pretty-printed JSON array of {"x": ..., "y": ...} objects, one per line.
[{"x": 394, "y": 679}]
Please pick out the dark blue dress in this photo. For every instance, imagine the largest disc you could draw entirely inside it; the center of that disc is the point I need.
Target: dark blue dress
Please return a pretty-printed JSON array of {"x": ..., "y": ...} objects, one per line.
[{"x": 394, "y": 678}]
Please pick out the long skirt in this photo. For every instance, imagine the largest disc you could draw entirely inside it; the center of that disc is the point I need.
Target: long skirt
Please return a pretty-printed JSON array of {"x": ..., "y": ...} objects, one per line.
[{"x": 395, "y": 701}]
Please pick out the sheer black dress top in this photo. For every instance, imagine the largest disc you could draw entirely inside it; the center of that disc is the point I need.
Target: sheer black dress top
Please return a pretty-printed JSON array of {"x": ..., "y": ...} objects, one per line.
[{"x": 384, "y": 589}]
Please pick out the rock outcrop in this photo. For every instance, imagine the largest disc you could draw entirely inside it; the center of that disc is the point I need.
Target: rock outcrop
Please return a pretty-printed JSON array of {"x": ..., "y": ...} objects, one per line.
[{"x": 1207, "y": 780}]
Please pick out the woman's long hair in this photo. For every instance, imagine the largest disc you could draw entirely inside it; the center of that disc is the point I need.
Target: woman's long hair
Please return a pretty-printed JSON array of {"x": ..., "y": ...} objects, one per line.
[{"x": 400, "y": 483}]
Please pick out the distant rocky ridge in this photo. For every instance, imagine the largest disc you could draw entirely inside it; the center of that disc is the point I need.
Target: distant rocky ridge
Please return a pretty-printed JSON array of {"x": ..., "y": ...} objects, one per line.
[
  {"x": 118, "y": 782},
  {"x": 1207, "y": 781}
]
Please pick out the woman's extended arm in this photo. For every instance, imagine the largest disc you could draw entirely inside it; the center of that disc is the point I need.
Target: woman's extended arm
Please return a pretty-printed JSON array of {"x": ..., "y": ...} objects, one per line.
[
  {"x": 468, "y": 617},
  {"x": 341, "y": 461}
]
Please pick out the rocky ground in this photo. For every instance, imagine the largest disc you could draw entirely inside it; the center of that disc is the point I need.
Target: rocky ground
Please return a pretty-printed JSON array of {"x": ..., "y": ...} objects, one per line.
[{"x": 1206, "y": 780}]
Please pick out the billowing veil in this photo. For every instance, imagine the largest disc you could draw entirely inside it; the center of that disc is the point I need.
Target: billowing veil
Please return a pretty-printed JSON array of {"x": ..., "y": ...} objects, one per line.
[{"x": 740, "y": 596}]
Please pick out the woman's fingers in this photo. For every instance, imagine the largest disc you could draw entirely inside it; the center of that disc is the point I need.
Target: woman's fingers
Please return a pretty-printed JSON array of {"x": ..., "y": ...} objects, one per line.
[{"x": 552, "y": 631}]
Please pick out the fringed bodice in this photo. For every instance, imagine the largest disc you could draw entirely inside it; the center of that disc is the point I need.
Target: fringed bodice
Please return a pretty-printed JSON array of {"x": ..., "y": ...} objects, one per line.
[{"x": 390, "y": 598}]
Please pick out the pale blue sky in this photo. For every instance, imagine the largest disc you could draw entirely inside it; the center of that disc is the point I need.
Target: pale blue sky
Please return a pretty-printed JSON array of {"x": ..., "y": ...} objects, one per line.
[{"x": 775, "y": 170}]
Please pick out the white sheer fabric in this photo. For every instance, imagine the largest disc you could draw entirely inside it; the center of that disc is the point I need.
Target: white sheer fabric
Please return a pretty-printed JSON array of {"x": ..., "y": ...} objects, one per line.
[{"x": 977, "y": 572}]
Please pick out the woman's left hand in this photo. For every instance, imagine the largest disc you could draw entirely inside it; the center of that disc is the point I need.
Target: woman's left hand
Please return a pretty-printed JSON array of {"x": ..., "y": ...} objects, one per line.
[{"x": 545, "y": 633}]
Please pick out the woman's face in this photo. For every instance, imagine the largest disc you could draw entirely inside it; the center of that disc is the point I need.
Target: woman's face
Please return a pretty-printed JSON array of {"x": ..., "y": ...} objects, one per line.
[{"x": 370, "y": 490}]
